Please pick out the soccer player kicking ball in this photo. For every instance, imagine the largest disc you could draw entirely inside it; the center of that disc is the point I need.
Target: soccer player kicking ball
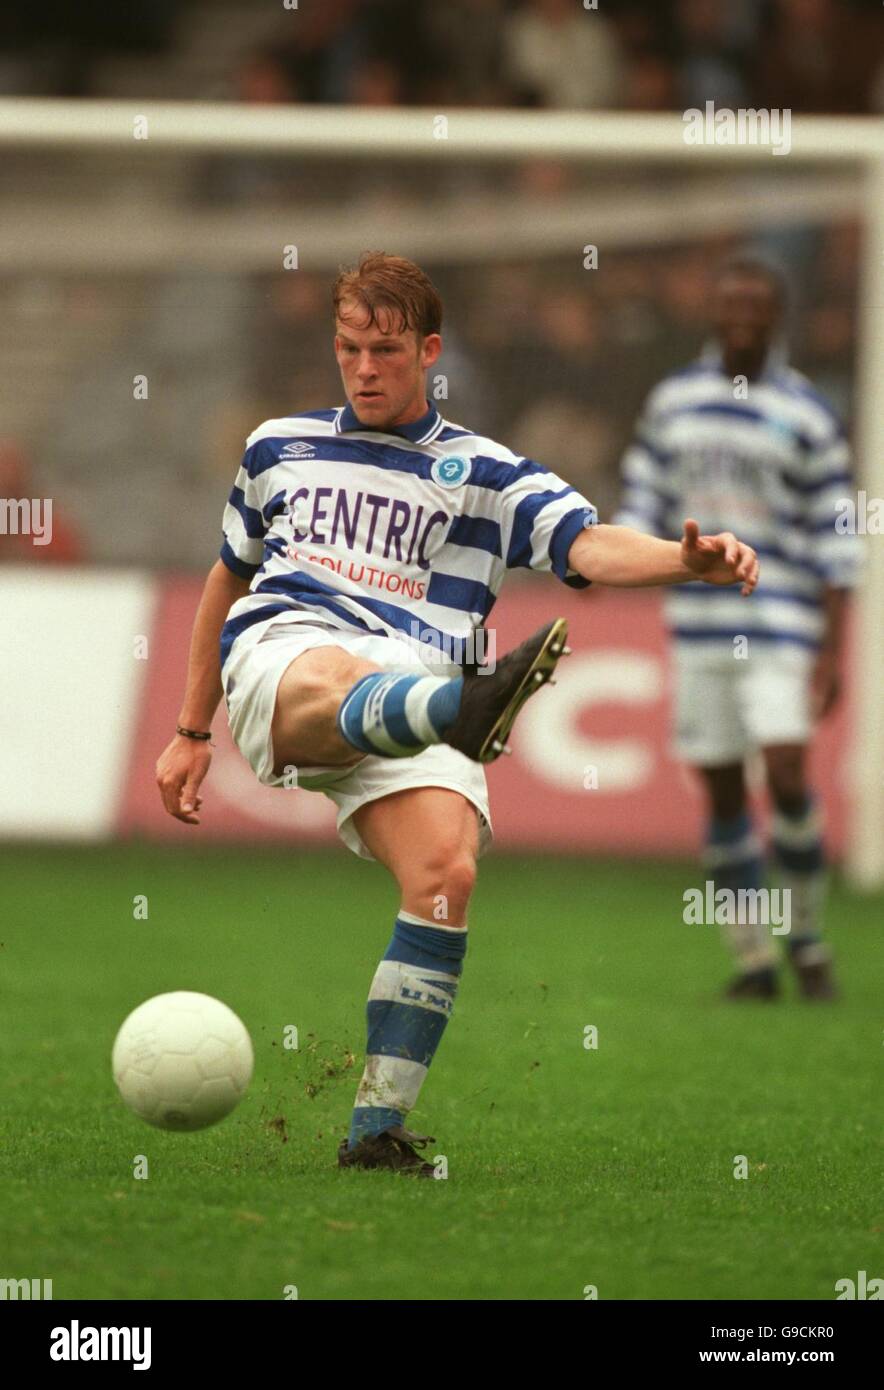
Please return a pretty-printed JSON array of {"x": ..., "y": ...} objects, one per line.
[
  {"x": 363, "y": 547},
  {"x": 739, "y": 439}
]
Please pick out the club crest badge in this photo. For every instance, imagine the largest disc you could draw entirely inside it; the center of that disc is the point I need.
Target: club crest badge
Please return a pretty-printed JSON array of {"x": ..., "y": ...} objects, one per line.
[{"x": 450, "y": 472}]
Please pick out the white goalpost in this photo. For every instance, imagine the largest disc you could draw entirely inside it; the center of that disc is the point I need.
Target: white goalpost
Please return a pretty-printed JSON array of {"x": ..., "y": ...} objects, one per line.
[{"x": 848, "y": 151}]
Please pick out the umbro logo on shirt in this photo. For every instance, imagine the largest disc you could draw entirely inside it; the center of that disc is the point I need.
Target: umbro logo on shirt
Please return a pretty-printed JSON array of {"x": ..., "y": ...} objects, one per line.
[{"x": 298, "y": 450}]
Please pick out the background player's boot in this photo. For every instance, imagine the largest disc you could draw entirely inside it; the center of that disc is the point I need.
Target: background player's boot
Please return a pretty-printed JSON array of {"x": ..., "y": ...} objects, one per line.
[
  {"x": 394, "y": 1150},
  {"x": 754, "y": 984},
  {"x": 814, "y": 973},
  {"x": 490, "y": 702}
]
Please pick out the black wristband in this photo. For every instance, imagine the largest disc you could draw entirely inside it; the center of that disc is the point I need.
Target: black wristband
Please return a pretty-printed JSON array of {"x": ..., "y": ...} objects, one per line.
[{"x": 192, "y": 733}]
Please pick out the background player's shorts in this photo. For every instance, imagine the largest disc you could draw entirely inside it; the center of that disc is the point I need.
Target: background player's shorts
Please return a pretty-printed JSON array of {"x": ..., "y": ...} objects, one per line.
[
  {"x": 724, "y": 707},
  {"x": 251, "y": 677}
]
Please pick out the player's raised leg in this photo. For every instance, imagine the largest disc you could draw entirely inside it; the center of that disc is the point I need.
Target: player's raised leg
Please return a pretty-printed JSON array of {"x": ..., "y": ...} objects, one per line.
[
  {"x": 332, "y": 707},
  {"x": 428, "y": 838},
  {"x": 733, "y": 859},
  {"x": 312, "y": 689},
  {"x": 800, "y": 858}
]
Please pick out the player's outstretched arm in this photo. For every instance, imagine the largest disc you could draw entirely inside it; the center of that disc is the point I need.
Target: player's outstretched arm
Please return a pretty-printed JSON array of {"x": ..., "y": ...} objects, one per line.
[
  {"x": 184, "y": 763},
  {"x": 624, "y": 558}
]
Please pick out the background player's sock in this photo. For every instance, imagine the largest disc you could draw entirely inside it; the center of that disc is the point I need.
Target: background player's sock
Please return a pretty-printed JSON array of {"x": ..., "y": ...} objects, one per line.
[
  {"x": 398, "y": 716},
  {"x": 409, "y": 1004},
  {"x": 800, "y": 859},
  {"x": 733, "y": 859}
]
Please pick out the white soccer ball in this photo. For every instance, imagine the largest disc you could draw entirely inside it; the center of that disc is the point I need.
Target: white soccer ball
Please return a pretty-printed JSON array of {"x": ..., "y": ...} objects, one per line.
[{"x": 182, "y": 1060}]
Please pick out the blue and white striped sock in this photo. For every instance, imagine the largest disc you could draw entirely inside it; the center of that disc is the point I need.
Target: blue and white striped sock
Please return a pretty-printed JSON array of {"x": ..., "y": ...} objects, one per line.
[
  {"x": 396, "y": 716},
  {"x": 409, "y": 1004},
  {"x": 733, "y": 859},
  {"x": 801, "y": 863}
]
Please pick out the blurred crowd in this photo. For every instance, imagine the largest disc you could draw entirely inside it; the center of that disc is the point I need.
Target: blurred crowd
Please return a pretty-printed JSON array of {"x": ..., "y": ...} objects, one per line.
[{"x": 807, "y": 55}]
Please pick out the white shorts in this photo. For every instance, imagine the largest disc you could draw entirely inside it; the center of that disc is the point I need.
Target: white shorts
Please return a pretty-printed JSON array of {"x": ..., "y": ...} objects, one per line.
[
  {"x": 725, "y": 708},
  {"x": 257, "y": 661}
]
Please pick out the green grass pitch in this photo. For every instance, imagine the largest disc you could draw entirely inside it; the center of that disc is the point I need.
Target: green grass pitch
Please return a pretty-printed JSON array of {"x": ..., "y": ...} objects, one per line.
[{"x": 568, "y": 1166}]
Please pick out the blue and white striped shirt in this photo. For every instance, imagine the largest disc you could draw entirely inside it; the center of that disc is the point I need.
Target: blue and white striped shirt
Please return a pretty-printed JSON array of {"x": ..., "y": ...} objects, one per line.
[
  {"x": 771, "y": 468},
  {"x": 407, "y": 533}
]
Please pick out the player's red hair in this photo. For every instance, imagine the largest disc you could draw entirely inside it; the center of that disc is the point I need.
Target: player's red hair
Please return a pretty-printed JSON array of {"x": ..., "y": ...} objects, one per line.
[{"x": 395, "y": 286}]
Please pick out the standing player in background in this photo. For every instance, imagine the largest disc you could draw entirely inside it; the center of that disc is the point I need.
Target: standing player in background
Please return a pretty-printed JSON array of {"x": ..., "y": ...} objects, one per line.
[
  {"x": 741, "y": 440},
  {"x": 360, "y": 543}
]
